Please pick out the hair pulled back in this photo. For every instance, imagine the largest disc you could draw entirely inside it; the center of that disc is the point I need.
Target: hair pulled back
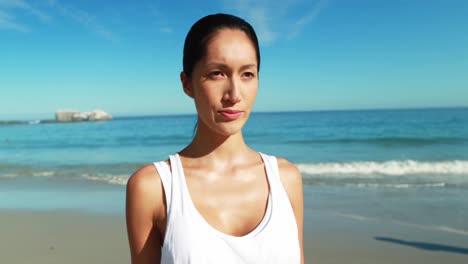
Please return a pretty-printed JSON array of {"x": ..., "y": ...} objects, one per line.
[{"x": 204, "y": 29}]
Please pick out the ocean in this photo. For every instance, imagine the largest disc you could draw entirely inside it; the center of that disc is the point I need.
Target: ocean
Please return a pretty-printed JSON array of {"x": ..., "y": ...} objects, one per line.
[{"x": 403, "y": 166}]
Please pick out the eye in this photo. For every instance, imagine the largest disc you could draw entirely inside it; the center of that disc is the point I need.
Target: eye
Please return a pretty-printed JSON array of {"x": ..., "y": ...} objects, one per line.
[
  {"x": 248, "y": 75},
  {"x": 216, "y": 74}
]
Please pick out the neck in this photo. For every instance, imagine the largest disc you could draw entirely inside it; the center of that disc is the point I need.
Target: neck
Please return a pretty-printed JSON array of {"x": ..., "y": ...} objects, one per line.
[{"x": 214, "y": 147}]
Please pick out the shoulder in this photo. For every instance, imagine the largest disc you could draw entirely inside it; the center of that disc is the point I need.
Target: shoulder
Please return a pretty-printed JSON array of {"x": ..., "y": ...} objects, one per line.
[
  {"x": 289, "y": 173},
  {"x": 291, "y": 179},
  {"x": 143, "y": 179},
  {"x": 145, "y": 214},
  {"x": 144, "y": 189}
]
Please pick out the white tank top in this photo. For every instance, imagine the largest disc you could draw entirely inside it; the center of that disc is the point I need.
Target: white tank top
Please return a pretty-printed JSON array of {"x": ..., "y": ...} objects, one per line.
[{"x": 190, "y": 239}]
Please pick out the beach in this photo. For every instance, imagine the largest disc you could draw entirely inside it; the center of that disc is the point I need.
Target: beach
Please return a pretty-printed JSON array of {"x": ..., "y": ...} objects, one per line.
[
  {"x": 380, "y": 186},
  {"x": 46, "y": 237},
  {"x": 61, "y": 236}
]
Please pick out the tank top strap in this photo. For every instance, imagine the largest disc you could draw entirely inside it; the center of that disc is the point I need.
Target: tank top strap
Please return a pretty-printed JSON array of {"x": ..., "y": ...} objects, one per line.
[
  {"x": 180, "y": 194},
  {"x": 272, "y": 171},
  {"x": 166, "y": 180},
  {"x": 172, "y": 181}
]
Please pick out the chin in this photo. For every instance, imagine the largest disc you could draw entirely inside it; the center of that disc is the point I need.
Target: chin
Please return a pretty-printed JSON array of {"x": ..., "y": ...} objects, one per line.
[
  {"x": 227, "y": 128},
  {"x": 222, "y": 126},
  {"x": 230, "y": 128}
]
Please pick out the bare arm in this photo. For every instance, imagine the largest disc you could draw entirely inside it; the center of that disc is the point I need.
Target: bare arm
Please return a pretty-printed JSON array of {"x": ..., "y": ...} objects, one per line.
[
  {"x": 292, "y": 182},
  {"x": 144, "y": 210}
]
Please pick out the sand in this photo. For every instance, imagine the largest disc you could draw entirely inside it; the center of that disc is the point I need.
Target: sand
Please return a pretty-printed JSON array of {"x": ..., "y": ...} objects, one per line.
[
  {"x": 78, "y": 237},
  {"x": 62, "y": 237},
  {"x": 331, "y": 239}
]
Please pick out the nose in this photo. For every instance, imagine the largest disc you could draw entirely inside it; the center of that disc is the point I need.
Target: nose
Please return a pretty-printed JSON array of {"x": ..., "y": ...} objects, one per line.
[{"x": 233, "y": 93}]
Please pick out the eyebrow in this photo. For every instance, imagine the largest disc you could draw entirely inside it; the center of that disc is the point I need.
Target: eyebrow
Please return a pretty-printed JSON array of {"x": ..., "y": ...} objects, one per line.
[{"x": 222, "y": 65}]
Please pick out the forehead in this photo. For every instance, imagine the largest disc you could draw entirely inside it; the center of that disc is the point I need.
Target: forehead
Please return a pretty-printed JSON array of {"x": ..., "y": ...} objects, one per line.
[{"x": 231, "y": 45}]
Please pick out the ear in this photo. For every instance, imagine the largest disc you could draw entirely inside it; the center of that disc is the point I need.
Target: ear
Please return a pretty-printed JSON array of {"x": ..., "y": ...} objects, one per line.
[{"x": 186, "y": 84}]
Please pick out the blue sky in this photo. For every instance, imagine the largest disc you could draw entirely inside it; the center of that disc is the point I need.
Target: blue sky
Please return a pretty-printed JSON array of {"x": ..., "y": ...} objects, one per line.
[{"x": 125, "y": 56}]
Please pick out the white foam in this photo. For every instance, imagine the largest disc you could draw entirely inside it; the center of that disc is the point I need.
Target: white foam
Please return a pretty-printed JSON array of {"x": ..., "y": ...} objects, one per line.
[
  {"x": 43, "y": 174},
  {"x": 28, "y": 174},
  {"x": 433, "y": 227},
  {"x": 452, "y": 230},
  {"x": 8, "y": 175},
  {"x": 398, "y": 185},
  {"x": 34, "y": 122},
  {"x": 354, "y": 217},
  {"x": 418, "y": 226},
  {"x": 108, "y": 178},
  {"x": 394, "y": 168}
]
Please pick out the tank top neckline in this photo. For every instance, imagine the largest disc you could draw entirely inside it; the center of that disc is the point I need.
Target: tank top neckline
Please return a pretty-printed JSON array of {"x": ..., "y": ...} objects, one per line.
[{"x": 257, "y": 230}]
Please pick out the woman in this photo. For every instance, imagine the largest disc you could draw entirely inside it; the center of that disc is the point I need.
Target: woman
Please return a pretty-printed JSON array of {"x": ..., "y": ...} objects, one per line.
[{"x": 217, "y": 200}]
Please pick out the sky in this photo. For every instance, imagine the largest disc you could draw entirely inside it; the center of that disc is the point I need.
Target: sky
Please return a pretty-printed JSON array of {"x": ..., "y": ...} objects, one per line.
[{"x": 125, "y": 56}]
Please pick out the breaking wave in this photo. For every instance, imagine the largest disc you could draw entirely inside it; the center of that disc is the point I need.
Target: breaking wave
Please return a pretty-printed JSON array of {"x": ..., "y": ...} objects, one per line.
[{"x": 394, "y": 168}]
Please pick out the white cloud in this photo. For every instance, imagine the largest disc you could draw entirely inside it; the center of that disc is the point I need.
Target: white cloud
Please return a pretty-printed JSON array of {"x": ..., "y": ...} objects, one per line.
[
  {"x": 7, "y": 21},
  {"x": 83, "y": 18},
  {"x": 8, "y": 17},
  {"x": 258, "y": 13},
  {"x": 161, "y": 20},
  {"x": 274, "y": 20},
  {"x": 308, "y": 18},
  {"x": 11, "y": 10},
  {"x": 166, "y": 29}
]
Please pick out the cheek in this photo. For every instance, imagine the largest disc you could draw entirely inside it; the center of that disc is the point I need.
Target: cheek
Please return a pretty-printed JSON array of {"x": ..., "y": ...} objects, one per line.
[
  {"x": 252, "y": 91},
  {"x": 205, "y": 98}
]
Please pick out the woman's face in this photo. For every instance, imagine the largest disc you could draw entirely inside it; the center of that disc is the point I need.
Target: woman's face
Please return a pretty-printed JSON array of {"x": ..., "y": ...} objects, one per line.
[{"x": 224, "y": 83}]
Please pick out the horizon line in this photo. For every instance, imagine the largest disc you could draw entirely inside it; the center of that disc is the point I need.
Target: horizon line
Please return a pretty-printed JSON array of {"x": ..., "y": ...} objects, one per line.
[{"x": 136, "y": 115}]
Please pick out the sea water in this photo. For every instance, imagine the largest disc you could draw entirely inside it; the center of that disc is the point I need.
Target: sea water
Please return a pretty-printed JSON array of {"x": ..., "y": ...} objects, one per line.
[{"x": 406, "y": 166}]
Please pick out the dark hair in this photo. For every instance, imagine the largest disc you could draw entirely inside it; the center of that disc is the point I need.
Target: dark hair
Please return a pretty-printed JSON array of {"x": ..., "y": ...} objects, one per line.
[{"x": 203, "y": 30}]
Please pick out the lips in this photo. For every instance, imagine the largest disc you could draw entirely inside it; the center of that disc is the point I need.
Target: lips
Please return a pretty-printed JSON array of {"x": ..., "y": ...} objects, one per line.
[{"x": 230, "y": 114}]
